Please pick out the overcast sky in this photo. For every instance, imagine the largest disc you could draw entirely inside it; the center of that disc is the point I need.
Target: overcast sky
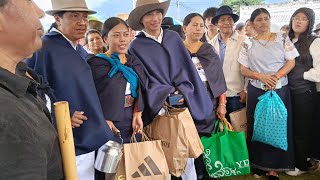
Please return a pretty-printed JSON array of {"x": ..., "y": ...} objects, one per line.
[
  {"x": 108, "y": 8},
  {"x": 46, "y": 5}
]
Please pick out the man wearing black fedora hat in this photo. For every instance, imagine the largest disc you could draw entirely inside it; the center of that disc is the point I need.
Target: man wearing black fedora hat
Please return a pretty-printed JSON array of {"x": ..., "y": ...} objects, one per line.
[
  {"x": 228, "y": 44},
  {"x": 167, "y": 22},
  {"x": 62, "y": 63}
]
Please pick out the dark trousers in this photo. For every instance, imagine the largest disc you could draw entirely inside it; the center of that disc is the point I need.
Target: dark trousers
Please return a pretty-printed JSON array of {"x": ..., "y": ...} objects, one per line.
[
  {"x": 233, "y": 104},
  {"x": 200, "y": 168},
  {"x": 303, "y": 121},
  {"x": 316, "y": 126},
  {"x": 97, "y": 174},
  {"x": 201, "y": 171}
]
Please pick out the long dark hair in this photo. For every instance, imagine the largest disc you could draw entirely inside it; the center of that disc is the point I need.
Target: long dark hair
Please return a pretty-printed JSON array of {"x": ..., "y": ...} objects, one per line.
[
  {"x": 303, "y": 37},
  {"x": 111, "y": 23}
]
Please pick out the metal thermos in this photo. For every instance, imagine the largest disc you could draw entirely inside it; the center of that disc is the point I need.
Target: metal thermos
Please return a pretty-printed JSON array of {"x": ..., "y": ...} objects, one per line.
[{"x": 108, "y": 157}]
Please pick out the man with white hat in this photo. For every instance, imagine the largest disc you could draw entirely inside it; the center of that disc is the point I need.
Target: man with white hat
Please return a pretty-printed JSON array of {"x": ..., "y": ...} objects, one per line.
[
  {"x": 169, "y": 65},
  {"x": 62, "y": 63}
]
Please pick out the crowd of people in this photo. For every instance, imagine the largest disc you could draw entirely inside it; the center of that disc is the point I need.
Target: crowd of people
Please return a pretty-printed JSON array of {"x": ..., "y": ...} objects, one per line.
[{"x": 119, "y": 78}]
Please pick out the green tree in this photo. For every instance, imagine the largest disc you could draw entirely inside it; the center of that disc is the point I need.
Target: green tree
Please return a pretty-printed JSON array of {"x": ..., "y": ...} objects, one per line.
[{"x": 235, "y": 4}]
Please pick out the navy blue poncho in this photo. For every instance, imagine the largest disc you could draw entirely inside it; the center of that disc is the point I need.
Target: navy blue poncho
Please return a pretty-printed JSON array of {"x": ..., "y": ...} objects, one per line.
[
  {"x": 70, "y": 77},
  {"x": 169, "y": 67}
]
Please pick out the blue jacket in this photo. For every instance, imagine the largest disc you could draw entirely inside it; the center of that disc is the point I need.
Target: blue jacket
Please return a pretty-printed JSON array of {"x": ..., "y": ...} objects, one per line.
[{"x": 70, "y": 77}]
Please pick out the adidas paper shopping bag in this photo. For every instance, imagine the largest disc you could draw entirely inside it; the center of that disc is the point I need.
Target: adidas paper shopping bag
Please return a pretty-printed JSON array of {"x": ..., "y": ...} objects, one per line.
[
  {"x": 179, "y": 137},
  {"x": 270, "y": 121},
  {"x": 145, "y": 160},
  {"x": 225, "y": 153}
]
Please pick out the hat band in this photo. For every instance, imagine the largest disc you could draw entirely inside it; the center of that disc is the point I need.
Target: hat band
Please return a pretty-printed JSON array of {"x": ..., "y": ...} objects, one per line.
[{"x": 68, "y": 8}]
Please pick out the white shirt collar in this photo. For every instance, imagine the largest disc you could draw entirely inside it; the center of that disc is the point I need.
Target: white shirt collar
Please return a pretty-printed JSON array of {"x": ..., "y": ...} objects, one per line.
[
  {"x": 56, "y": 30},
  {"x": 207, "y": 36},
  {"x": 159, "y": 39}
]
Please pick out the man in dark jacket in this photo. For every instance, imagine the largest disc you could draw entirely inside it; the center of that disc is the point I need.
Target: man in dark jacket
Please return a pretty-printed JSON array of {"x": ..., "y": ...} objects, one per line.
[{"x": 29, "y": 146}]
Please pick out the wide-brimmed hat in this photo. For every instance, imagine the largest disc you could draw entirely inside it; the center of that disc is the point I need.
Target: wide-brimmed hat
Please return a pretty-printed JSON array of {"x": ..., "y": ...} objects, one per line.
[
  {"x": 317, "y": 28},
  {"x": 224, "y": 10},
  {"x": 142, "y": 7},
  {"x": 123, "y": 16},
  {"x": 95, "y": 24},
  {"x": 69, "y": 5},
  {"x": 167, "y": 22}
]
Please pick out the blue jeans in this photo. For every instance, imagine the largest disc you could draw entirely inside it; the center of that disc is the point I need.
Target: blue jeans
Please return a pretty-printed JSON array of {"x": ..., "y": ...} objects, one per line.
[{"x": 233, "y": 104}]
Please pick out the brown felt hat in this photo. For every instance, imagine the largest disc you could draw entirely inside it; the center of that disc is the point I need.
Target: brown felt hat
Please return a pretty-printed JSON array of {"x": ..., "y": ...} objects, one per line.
[{"x": 142, "y": 7}]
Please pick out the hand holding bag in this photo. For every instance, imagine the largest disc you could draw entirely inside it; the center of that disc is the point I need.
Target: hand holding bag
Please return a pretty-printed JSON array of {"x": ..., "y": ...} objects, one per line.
[{"x": 225, "y": 153}]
